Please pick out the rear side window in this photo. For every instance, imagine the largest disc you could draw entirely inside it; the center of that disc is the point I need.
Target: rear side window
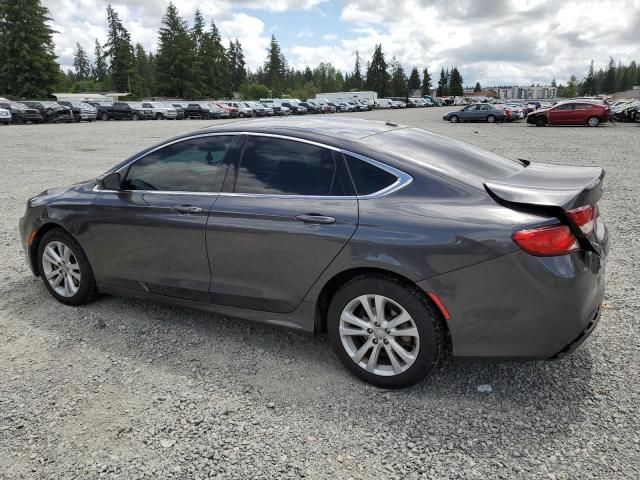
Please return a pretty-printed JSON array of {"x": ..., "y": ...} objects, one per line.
[
  {"x": 285, "y": 167},
  {"x": 189, "y": 166},
  {"x": 368, "y": 178},
  {"x": 456, "y": 159}
]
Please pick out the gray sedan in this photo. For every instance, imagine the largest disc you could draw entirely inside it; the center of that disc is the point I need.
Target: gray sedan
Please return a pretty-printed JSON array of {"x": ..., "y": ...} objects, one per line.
[
  {"x": 401, "y": 245},
  {"x": 480, "y": 112}
]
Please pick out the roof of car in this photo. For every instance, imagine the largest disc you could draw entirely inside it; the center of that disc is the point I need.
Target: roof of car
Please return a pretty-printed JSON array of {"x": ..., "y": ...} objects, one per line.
[{"x": 334, "y": 127}]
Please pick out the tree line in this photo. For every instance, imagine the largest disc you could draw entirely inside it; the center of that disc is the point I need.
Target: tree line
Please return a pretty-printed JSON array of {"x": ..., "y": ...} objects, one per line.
[
  {"x": 191, "y": 62},
  {"x": 614, "y": 78}
]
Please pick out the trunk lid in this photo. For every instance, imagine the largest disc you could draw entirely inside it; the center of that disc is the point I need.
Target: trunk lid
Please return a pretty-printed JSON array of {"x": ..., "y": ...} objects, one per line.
[
  {"x": 542, "y": 186},
  {"x": 555, "y": 190}
]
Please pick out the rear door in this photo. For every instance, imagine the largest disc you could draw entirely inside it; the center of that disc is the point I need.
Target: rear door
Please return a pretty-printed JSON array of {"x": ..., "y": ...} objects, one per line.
[
  {"x": 150, "y": 234},
  {"x": 286, "y": 210},
  {"x": 581, "y": 112}
]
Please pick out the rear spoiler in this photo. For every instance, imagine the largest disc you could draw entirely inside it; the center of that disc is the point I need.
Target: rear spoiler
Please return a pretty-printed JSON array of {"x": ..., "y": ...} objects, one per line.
[{"x": 544, "y": 187}]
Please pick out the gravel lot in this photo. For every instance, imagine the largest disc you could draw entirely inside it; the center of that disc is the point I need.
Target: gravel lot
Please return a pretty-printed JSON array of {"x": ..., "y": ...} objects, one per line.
[{"x": 130, "y": 389}]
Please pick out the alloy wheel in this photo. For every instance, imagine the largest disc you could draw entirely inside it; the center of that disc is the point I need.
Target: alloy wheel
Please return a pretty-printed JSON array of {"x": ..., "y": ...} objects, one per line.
[
  {"x": 379, "y": 335},
  {"x": 61, "y": 269},
  {"x": 593, "y": 122}
]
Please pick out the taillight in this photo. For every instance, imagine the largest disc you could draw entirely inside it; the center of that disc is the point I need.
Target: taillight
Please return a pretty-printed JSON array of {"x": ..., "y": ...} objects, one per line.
[
  {"x": 547, "y": 241},
  {"x": 558, "y": 239},
  {"x": 584, "y": 218}
]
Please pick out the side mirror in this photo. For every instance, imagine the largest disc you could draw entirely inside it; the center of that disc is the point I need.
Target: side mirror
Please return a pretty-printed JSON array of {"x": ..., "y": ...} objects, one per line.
[{"x": 110, "y": 181}]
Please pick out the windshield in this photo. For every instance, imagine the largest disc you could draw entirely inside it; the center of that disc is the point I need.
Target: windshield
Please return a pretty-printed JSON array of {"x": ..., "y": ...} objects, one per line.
[{"x": 452, "y": 157}]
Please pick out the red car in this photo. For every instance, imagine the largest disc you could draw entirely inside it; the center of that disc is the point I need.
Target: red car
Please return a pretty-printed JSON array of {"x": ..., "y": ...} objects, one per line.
[{"x": 571, "y": 113}]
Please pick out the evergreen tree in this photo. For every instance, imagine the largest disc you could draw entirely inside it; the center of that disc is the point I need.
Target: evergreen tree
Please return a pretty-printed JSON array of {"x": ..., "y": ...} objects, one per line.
[
  {"x": 441, "y": 83},
  {"x": 477, "y": 88},
  {"x": 589, "y": 83},
  {"x": 275, "y": 68},
  {"x": 455, "y": 83},
  {"x": 81, "y": 63},
  {"x": 426, "y": 82},
  {"x": 119, "y": 50},
  {"x": 414, "y": 79},
  {"x": 572, "y": 87},
  {"x": 308, "y": 74},
  {"x": 174, "y": 74},
  {"x": 28, "y": 65},
  {"x": 198, "y": 40},
  {"x": 398, "y": 82},
  {"x": 377, "y": 74},
  {"x": 144, "y": 72},
  {"x": 217, "y": 68},
  {"x": 238, "y": 66},
  {"x": 356, "y": 79},
  {"x": 610, "y": 78},
  {"x": 99, "y": 69}
]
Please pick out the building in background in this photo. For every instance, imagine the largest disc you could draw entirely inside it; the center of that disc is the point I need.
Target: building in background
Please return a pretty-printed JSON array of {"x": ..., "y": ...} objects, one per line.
[{"x": 538, "y": 92}]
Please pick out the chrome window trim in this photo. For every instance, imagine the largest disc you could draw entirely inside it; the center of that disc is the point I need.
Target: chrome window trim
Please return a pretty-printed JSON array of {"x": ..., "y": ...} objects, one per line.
[{"x": 403, "y": 179}]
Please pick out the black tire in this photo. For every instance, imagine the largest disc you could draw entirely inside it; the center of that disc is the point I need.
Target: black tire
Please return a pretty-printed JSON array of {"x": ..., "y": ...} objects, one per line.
[
  {"x": 428, "y": 321},
  {"x": 491, "y": 118},
  {"x": 541, "y": 121},
  {"x": 454, "y": 119},
  {"x": 159, "y": 116},
  {"x": 104, "y": 117},
  {"x": 593, "y": 121},
  {"x": 135, "y": 117},
  {"x": 77, "y": 119},
  {"x": 87, "y": 290}
]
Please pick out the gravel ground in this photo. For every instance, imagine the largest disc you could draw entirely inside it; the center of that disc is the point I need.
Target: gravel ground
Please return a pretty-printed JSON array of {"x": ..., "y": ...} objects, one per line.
[{"x": 130, "y": 389}]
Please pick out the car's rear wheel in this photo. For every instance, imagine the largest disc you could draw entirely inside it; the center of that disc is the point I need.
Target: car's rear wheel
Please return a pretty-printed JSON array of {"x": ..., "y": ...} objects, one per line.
[
  {"x": 541, "y": 121},
  {"x": 135, "y": 117},
  {"x": 491, "y": 119},
  {"x": 65, "y": 269},
  {"x": 385, "y": 332},
  {"x": 104, "y": 117},
  {"x": 593, "y": 122},
  {"x": 454, "y": 119}
]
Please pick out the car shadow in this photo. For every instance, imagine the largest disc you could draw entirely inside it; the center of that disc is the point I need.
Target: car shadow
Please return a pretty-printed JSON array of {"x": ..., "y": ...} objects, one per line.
[{"x": 200, "y": 348}]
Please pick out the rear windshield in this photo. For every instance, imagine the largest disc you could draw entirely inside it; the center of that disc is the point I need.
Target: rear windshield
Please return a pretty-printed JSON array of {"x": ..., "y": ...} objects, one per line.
[{"x": 451, "y": 157}]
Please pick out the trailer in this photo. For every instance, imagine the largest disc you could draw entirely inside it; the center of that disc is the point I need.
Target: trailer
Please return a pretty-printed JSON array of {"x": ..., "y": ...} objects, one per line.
[{"x": 370, "y": 97}]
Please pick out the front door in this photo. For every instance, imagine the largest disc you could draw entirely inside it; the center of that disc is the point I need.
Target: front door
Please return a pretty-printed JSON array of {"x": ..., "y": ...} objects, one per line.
[
  {"x": 561, "y": 114},
  {"x": 286, "y": 211},
  {"x": 150, "y": 235}
]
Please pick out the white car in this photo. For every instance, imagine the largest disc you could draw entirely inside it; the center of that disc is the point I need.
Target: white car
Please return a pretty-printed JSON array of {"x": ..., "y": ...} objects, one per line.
[
  {"x": 161, "y": 110},
  {"x": 243, "y": 110},
  {"x": 5, "y": 116},
  {"x": 385, "y": 103}
]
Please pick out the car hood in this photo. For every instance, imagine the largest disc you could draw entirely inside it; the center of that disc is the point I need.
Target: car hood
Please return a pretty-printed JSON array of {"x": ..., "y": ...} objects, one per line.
[{"x": 46, "y": 196}]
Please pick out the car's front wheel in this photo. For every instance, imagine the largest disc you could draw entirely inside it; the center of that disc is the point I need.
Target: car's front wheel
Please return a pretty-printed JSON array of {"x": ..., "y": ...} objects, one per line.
[
  {"x": 64, "y": 269},
  {"x": 385, "y": 332},
  {"x": 453, "y": 119},
  {"x": 491, "y": 119}
]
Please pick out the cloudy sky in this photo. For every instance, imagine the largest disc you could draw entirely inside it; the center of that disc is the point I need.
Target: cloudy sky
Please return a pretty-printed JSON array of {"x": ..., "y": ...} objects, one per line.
[{"x": 491, "y": 41}]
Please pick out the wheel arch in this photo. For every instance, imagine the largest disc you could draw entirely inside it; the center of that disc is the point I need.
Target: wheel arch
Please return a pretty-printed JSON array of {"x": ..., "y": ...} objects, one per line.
[
  {"x": 35, "y": 243},
  {"x": 334, "y": 283}
]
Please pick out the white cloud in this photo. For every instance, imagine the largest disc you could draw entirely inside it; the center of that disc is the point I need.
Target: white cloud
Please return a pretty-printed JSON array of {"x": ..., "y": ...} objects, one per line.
[
  {"x": 304, "y": 34},
  {"x": 493, "y": 41}
]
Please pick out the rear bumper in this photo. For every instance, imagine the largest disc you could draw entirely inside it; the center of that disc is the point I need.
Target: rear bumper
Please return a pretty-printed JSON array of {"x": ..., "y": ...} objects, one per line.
[{"x": 521, "y": 306}]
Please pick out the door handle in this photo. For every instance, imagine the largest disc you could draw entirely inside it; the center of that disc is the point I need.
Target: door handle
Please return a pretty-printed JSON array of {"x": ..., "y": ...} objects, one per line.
[
  {"x": 315, "y": 218},
  {"x": 187, "y": 209}
]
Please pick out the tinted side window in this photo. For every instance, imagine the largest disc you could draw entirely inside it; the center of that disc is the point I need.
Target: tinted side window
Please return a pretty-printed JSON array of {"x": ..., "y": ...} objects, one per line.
[
  {"x": 368, "y": 178},
  {"x": 189, "y": 166},
  {"x": 286, "y": 167}
]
